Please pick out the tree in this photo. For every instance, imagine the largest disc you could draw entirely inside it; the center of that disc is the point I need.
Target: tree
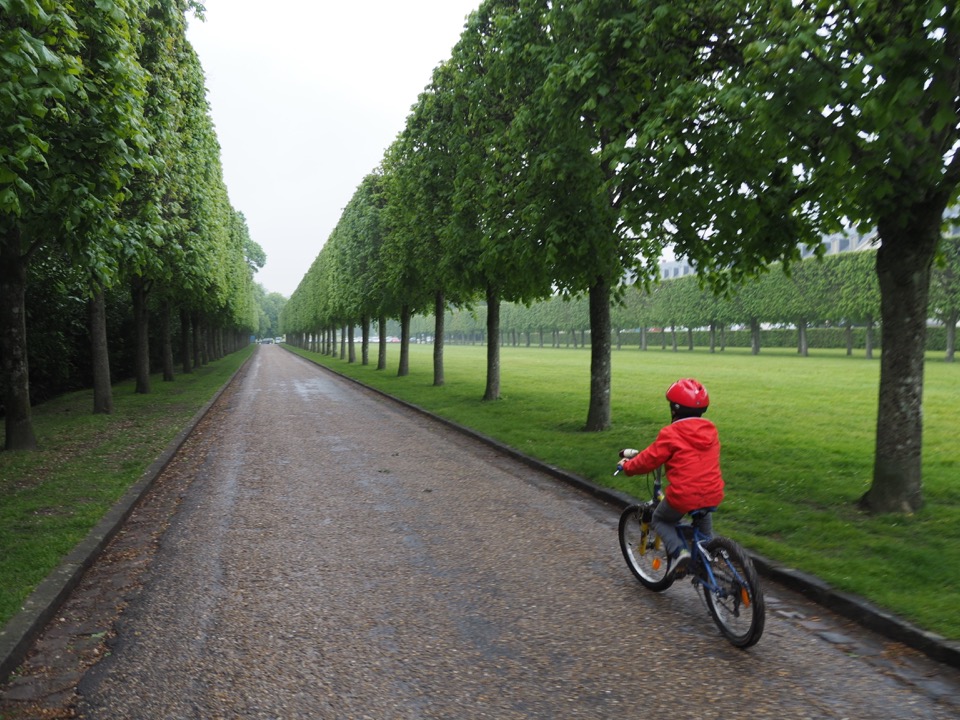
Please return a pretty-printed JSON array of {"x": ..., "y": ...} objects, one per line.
[
  {"x": 801, "y": 116},
  {"x": 855, "y": 294},
  {"x": 490, "y": 230},
  {"x": 73, "y": 133},
  {"x": 361, "y": 233},
  {"x": 422, "y": 167},
  {"x": 945, "y": 291},
  {"x": 567, "y": 179}
]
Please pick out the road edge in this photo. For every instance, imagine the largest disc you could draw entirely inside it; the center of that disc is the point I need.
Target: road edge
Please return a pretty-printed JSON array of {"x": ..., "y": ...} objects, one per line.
[{"x": 19, "y": 633}]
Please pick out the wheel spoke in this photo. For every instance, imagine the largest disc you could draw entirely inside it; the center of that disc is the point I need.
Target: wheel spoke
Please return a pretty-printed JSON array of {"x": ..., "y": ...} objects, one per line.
[
  {"x": 736, "y": 604},
  {"x": 643, "y": 550}
]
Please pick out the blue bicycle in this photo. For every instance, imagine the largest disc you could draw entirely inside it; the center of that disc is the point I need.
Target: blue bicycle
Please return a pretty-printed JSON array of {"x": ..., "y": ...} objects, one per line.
[{"x": 719, "y": 568}]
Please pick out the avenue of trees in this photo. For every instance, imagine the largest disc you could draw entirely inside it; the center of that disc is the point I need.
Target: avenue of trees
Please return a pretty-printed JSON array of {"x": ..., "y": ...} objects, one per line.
[
  {"x": 565, "y": 144},
  {"x": 111, "y": 199}
]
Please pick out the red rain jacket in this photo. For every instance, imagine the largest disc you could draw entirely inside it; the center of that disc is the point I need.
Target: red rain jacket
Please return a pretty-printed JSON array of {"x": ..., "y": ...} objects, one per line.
[{"x": 690, "y": 449}]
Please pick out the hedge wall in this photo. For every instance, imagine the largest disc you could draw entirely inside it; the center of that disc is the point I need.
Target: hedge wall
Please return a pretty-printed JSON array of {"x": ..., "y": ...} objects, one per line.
[{"x": 822, "y": 338}]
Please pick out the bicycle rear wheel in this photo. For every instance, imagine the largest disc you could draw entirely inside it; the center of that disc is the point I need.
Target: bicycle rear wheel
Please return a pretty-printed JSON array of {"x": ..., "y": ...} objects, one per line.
[
  {"x": 737, "y": 604},
  {"x": 643, "y": 550}
]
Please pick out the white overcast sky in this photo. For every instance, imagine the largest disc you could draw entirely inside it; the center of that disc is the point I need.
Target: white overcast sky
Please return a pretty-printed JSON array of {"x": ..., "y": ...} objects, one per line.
[{"x": 306, "y": 95}]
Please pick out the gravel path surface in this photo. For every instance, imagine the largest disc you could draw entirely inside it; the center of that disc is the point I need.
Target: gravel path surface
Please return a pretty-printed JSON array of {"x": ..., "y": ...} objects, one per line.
[{"x": 333, "y": 555}]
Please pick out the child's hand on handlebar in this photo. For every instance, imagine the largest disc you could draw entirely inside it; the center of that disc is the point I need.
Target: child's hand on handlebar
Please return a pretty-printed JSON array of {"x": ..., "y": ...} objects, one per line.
[{"x": 625, "y": 454}]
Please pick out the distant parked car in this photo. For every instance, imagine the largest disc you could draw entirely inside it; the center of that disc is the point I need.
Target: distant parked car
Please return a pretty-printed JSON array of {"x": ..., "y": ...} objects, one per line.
[{"x": 267, "y": 341}]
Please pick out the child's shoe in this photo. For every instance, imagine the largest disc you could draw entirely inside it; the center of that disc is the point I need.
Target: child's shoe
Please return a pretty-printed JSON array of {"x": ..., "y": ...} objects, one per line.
[{"x": 680, "y": 563}]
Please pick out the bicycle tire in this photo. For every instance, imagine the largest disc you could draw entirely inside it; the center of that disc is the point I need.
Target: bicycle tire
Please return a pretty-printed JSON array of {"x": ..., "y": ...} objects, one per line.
[
  {"x": 737, "y": 606},
  {"x": 644, "y": 550}
]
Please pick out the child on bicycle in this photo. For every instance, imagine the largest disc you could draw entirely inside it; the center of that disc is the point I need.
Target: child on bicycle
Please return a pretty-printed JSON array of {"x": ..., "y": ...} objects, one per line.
[{"x": 689, "y": 447}]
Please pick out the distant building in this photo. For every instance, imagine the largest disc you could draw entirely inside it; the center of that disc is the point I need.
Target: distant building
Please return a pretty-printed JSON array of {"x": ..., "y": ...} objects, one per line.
[
  {"x": 848, "y": 241},
  {"x": 670, "y": 269}
]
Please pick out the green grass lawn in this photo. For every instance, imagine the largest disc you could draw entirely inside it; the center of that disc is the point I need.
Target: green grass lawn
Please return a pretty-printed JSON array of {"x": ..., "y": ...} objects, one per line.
[
  {"x": 52, "y": 497},
  {"x": 798, "y": 440}
]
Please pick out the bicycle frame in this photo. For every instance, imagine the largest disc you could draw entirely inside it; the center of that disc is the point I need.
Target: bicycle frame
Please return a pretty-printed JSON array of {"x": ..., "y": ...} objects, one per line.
[
  {"x": 693, "y": 539},
  {"x": 701, "y": 562}
]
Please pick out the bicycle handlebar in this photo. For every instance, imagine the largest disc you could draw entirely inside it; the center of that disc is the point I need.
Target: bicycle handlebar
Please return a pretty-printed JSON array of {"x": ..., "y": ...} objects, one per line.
[{"x": 626, "y": 454}]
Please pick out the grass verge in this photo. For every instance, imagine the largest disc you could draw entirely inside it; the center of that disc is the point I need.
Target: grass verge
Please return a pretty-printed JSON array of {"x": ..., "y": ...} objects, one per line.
[
  {"x": 798, "y": 441},
  {"x": 52, "y": 497}
]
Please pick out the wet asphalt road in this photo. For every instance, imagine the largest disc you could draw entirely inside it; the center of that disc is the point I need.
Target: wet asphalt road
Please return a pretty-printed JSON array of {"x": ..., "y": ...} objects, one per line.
[{"x": 337, "y": 556}]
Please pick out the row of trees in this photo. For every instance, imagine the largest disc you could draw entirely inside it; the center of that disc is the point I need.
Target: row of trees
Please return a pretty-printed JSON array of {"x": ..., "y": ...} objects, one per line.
[
  {"x": 566, "y": 144},
  {"x": 838, "y": 291},
  {"x": 110, "y": 170}
]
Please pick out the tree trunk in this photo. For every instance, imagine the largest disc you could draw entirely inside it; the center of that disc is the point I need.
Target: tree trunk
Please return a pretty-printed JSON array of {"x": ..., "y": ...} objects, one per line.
[
  {"x": 439, "y": 314},
  {"x": 197, "y": 340},
  {"x": 952, "y": 335},
  {"x": 492, "y": 391},
  {"x": 365, "y": 340},
  {"x": 100, "y": 355},
  {"x": 185, "y": 341},
  {"x": 351, "y": 346},
  {"x": 849, "y": 335},
  {"x": 904, "y": 262},
  {"x": 167, "y": 341},
  {"x": 138, "y": 292},
  {"x": 754, "y": 336},
  {"x": 14, "y": 368},
  {"x": 598, "y": 416},
  {"x": 643, "y": 338},
  {"x": 343, "y": 342},
  {"x": 868, "y": 338},
  {"x": 713, "y": 337},
  {"x": 404, "y": 368},
  {"x": 690, "y": 339},
  {"x": 673, "y": 337},
  {"x": 803, "y": 348},
  {"x": 205, "y": 342},
  {"x": 382, "y": 344}
]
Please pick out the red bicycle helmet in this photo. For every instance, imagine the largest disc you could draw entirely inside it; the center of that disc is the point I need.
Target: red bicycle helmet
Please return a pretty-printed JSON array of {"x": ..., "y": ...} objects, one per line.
[{"x": 688, "y": 393}]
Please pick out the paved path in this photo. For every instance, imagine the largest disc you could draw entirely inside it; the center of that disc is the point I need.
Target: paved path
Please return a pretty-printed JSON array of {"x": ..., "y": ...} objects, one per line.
[{"x": 336, "y": 556}]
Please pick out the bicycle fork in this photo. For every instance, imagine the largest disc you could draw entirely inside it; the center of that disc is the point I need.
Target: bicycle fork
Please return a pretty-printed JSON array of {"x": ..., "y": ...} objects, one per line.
[{"x": 644, "y": 543}]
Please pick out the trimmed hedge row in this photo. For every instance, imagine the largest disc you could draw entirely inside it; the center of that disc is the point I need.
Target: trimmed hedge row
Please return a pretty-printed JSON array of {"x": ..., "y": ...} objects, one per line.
[{"x": 817, "y": 338}]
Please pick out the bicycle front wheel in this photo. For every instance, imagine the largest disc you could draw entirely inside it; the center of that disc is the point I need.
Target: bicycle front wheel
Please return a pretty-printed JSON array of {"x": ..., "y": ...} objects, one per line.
[
  {"x": 736, "y": 603},
  {"x": 643, "y": 550}
]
